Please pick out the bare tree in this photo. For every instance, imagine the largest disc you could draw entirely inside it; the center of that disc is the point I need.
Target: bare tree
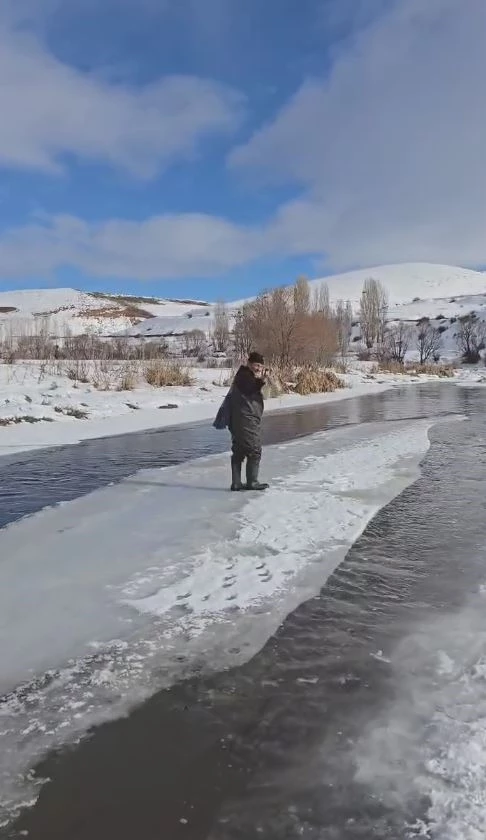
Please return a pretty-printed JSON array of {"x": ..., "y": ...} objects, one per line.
[
  {"x": 271, "y": 325},
  {"x": 373, "y": 312},
  {"x": 429, "y": 341},
  {"x": 343, "y": 317},
  {"x": 302, "y": 296},
  {"x": 470, "y": 337},
  {"x": 244, "y": 331},
  {"x": 397, "y": 340},
  {"x": 321, "y": 300},
  {"x": 194, "y": 343},
  {"x": 221, "y": 329}
]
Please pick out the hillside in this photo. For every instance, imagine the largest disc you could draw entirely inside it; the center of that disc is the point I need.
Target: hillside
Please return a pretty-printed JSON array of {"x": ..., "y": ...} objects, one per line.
[
  {"x": 406, "y": 281},
  {"x": 58, "y": 311}
]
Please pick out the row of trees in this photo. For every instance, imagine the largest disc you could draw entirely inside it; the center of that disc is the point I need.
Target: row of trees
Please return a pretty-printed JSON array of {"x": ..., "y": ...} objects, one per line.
[{"x": 393, "y": 342}]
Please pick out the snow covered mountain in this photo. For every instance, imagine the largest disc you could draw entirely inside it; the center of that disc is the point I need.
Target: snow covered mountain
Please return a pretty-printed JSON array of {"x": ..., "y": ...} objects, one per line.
[
  {"x": 415, "y": 290},
  {"x": 58, "y": 311}
]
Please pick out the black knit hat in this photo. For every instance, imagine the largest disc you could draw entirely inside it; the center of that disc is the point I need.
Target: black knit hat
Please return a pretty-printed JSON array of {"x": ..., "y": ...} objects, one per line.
[{"x": 256, "y": 359}]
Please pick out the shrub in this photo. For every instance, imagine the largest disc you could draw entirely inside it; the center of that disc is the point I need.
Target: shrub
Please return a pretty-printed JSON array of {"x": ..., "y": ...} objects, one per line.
[
  {"x": 444, "y": 371},
  {"x": 390, "y": 366},
  {"x": 364, "y": 354},
  {"x": 315, "y": 381},
  {"x": 128, "y": 380},
  {"x": 167, "y": 374},
  {"x": 71, "y": 411}
]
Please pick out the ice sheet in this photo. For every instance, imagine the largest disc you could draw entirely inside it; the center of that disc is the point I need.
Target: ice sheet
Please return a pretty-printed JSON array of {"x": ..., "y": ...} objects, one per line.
[{"x": 107, "y": 598}]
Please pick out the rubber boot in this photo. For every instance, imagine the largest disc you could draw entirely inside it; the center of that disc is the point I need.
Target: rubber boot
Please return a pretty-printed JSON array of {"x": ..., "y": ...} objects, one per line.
[
  {"x": 252, "y": 469},
  {"x": 236, "y": 475}
]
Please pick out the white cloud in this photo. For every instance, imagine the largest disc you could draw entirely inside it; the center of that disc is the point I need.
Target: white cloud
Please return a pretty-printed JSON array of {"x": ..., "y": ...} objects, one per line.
[
  {"x": 389, "y": 148},
  {"x": 50, "y": 110},
  {"x": 160, "y": 247}
]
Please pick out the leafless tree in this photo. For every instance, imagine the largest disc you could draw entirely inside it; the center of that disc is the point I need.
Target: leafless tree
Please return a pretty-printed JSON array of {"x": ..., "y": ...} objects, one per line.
[
  {"x": 429, "y": 341},
  {"x": 302, "y": 296},
  {"x": 470, "y": 337},
  {"x": 194, "y": 343},
  {"x": 396, "y": 343},
  {"x": 221, "y": 329},
  {"x": 321, "y": 299},
  {"x": 343, "y": 316},
  {"x": 373, "y": 312},
  {"x": 285, "y": 336},
  {"x": 244, "y": 331}
]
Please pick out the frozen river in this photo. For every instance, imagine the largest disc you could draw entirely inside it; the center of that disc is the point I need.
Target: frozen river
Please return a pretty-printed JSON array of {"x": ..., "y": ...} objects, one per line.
[{"x": 305, "y": 664}]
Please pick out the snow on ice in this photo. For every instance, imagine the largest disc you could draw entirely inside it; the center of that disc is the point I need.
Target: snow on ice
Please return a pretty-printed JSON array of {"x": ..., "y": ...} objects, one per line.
[{"x": 143, "y": 599}]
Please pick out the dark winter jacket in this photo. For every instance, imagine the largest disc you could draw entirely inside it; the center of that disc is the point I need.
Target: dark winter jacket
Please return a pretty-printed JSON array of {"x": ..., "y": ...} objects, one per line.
[{"x": 246, "y": 409}]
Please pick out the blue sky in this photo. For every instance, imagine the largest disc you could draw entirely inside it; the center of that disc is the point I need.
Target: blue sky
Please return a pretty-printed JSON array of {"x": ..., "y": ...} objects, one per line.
[{"x": 211, "y": 148}]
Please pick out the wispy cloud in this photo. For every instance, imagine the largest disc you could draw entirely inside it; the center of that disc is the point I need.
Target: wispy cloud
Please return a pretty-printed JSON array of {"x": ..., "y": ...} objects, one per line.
[
  {"x": 50, "y": 111},
  {"x": 388, "y": 148},
  {"x": 161, "y": 247}
]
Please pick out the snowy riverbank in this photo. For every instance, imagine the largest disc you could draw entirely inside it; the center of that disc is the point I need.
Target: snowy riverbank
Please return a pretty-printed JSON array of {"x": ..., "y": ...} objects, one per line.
[{"x": 43, "y": 409}]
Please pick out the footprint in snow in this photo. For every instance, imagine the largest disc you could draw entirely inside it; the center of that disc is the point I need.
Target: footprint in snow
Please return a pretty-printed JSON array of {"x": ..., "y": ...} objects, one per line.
[{"x": 229, "y": 584}]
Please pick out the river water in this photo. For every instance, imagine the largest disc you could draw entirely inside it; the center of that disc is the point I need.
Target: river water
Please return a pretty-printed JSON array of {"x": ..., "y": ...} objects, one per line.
[
  {"x": 30, "y": 481},
  {"x": 363, "y": 717}
]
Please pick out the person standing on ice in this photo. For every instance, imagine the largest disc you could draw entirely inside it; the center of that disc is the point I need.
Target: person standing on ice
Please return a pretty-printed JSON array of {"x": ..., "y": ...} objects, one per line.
[
  {"x": 241, "y": 413},
  {"x": 244, "y": 422}
]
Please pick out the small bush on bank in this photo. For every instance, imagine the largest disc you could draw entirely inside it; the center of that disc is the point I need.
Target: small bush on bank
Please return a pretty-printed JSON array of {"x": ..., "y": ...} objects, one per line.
[
  {"x": 162, "y": 374},
  {"x": 444, "y": 371},
  {"x": 316, "y": 381},
  {"x": 389, "y": 366}
]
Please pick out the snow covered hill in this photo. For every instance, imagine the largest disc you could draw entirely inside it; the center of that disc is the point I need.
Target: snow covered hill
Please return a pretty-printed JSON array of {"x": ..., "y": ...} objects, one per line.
[
  {"x": 408, "y": 281},
  {"x": 57, "y": 311},
  {"x": 415, "y": 290}
]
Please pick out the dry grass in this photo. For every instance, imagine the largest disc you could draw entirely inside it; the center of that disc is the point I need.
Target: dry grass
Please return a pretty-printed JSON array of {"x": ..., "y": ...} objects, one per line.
[
  {"x": 414, "y": 368},
  {"x": 134, "y": 313},
  {"x": 444, "y": 371},
  {"x": 78, "y": 371},
  {"x": 24, "y": 418},
  {"x": 128, "y": 379},
  {"x": 71, "y": 411},
  {"x": 163, "y": 374},
  {"x": 317, "y": 381},
  {"x": 392, "y": 367}
]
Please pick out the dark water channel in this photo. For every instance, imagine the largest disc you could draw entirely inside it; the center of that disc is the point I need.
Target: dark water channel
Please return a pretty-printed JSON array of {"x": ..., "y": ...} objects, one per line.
[
  {"x": 31, "y": 481},
  {"x": 270, "y": 750}
]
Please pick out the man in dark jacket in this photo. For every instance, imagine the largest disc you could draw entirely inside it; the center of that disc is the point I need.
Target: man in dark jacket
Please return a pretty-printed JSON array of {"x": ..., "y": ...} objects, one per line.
[{"x": 245, "y": 418}]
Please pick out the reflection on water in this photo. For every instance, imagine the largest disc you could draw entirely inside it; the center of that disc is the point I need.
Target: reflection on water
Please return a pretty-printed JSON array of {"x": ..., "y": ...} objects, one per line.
[
  {"x": 284, "y": 747},
  {"x": 34, "y": 480}
]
